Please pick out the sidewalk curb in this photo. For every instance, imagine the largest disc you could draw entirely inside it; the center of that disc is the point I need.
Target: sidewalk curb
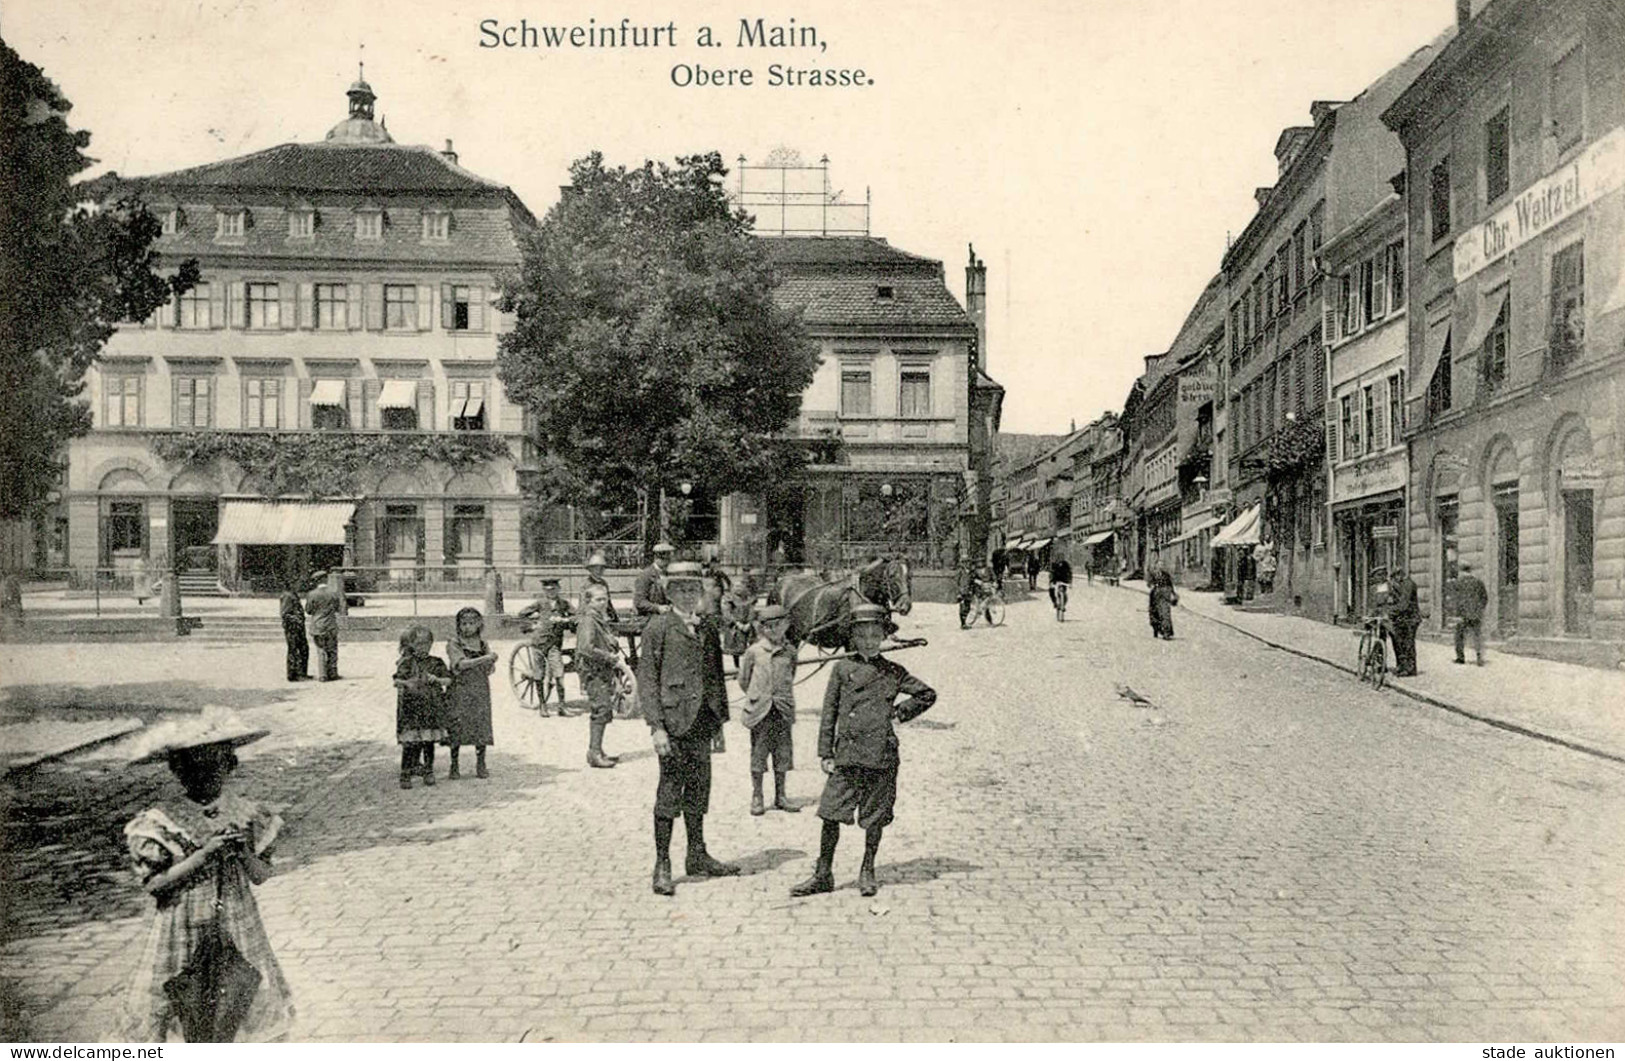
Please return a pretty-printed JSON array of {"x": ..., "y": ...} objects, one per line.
[{"x": 1420, "y": 697}]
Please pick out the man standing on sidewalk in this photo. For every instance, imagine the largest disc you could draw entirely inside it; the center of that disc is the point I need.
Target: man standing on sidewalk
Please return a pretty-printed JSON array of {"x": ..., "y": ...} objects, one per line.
[
  {"x": 1405, "y": 614},
  {"x": 1469, "y": 598},
  {"x": 322, "y": 605},
  {"x": 293, "y": 632}
]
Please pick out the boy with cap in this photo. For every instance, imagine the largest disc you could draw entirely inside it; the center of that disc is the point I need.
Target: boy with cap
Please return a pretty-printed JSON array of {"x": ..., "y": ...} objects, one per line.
[
  {"x": 550, "y": 612},
  {"x": 595, "y": 578},
  {"x": 649, "y": 591},
  {"x": 682, "y": 697},
  {"x": 858, "y": 748},
  {"x": 767, "y": 673},
  {"x": 597, "y": 656}
]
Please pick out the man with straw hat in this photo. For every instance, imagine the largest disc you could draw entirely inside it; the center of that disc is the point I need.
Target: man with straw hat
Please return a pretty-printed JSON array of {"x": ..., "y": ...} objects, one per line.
[
  {"x": 858, "y": 748},
  {"x": 681, "y": 693}
]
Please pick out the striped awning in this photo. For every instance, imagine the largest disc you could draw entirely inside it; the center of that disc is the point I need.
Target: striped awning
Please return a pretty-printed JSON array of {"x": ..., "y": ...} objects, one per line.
[
  {"x": 398, "y": 394},
  {"x": 283, "y": 522}
]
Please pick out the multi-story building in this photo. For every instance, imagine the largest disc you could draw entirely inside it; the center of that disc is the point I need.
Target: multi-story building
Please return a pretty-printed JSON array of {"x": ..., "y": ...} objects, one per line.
[
  {"x": 342, "y": 342},
  {"x": 1018, "y": 516},
  {"x": 1108, "y": 514},
  {"x": 1514, "y": 141},
  {"x": 1277, "y": 365}
]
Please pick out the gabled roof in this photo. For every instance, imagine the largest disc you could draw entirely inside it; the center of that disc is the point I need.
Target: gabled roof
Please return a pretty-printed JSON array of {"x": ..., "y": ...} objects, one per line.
[
  {"x": 837, "y": 281},
  {"x": 331, "y": 167},
  {"x": 798, "y": 252}
]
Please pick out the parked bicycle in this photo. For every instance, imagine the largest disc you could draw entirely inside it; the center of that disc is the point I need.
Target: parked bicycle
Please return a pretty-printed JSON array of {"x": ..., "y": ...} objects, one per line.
[
  {"x": 1373, "y": 657},
  {"x": 527, "y": 667}
]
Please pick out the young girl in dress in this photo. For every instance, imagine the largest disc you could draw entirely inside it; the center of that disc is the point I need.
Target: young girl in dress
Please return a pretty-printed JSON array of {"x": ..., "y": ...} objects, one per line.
[
  {"x": 468, "y": 707},
  {"x": 197, "y": 856},
  {"x": 421, "y": 681}
]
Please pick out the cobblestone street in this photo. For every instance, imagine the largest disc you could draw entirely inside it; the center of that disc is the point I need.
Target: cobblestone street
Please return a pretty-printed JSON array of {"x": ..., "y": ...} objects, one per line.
[{"x": 1252, "y": 847}]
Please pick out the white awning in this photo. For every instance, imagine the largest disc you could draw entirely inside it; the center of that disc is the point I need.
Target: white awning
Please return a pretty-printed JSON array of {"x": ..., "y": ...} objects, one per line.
[
  {"x": 1243, "y": 530},
  {"x": 328, "y": 392},
  {"x": 1039, "y": 544},
  {"x": 1489, "y": 311},
  {"x": 1198, "y": 528},
  {"x": 466, "y": 407},
  {"x": 283, "y": 522},
  {"x": 399, "y": 394},
  {"x": 1096, "y": 539}
]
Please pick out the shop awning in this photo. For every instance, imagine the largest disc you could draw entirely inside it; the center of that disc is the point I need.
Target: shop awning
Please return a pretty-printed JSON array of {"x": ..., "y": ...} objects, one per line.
[
  {"x": 1197, "y": 528},
  {"x": 1039, "y": 544},
  {"x": 328, "y": 392},
  {"x": 1096, "y": 539},
  {"x": 1243, "y": 530},
  {"x": 283, "y": 522},
  {"x": 465, "y": 407},
  {"x": 398, "y": 394},
  {"x": 1489, "y": 311}
]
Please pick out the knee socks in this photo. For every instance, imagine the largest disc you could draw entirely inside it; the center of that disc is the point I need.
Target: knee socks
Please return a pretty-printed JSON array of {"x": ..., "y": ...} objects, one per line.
[
  {"x": 826, "y": 845},
  {"x": 871, "y": 844},
  {"x": 663, "y": 828}
]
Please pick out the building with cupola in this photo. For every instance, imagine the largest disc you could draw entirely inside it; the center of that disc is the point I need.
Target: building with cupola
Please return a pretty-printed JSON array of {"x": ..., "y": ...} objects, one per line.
[{"x": 327, "y": 394}]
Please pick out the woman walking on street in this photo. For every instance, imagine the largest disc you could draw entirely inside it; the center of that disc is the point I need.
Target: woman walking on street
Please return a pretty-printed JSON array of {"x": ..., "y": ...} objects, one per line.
[
  {"x": 207, "y": 973},
  {"x": 1163, "y": 599},
  {"x": 468, "y": 702}
]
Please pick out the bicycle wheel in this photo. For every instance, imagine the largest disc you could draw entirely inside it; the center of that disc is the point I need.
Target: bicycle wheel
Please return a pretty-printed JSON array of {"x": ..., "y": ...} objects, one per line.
[
  {"x": 625, "y": 689},
  {"x": 1379, "y": 664},
  {"x": 994, "y": 610},
  {"x": 1363, "y": 659},
  {"x": 524, "y": 675}
]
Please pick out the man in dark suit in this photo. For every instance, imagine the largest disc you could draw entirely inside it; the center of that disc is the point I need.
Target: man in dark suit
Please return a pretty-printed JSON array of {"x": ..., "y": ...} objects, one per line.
[
  {"x": 1469, "y": 598},
  {"x": 1405, "y": 615},
  {"x": 649, "y": 591},
  {"x": 683, "y": 699}
]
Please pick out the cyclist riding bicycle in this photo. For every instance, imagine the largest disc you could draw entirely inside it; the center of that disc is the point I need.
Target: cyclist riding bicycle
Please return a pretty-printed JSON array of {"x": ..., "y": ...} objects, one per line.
[
  {"x": 1060, "y": 574},
  {"x": 971, "y": 588}
]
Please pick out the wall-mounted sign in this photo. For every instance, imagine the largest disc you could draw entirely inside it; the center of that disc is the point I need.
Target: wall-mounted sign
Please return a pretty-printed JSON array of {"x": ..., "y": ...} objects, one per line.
[
  {"x": 1594, "y": 173},
  {"x": 747, "y": 519},
  {"x": 1585, "y": 474},
  {"x": 1384, "y": 533}
]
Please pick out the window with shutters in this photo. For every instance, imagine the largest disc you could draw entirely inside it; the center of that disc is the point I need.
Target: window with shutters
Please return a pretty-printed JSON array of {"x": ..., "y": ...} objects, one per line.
[
  {"x": 1497, "y": 157},
  {"x": 332, "y": 307},
  {"x": 194, "y": 405},
  {"x": 1283, "y": 278},
  {"x": 1235, "y": 332},
  {"x": 1368, "y": 419},
  {"x": 1396, "y": 407},
  {"x": 1350, "y": 431},
  {"x": 1348, "y": 305},
  {"x": 468, "y": 404},
  {"x": 1439, "y": 199},
  {"x": 194, "y": 308},
  {"x": 857, "y": 392},
  {"x": 1300, "y": 400},
  {"x": 1568, "y": 316},
  {"x": 121, "y": 405},
  {"x": 1440, "y": 395},
  {"x": 1374, "y": 288},
  {"x": 301, "y": 224},
  {"x": 1269, "y": 400},
  {"x": 264, "y": 305},
  {"x": 401, "y": 307},
  {"x": 1317, "y": 236},
  {"x": 462, "y": 299},
  {"x": 369, "y": 224},
  {"x": 1269, "y": 291},
  {"x": 1493, "y": 357},
  {"x": 1396, "y": 276},
  {"x": 1568, "y": 99},
  {"x": 1299, "y": 238},
  {"x": 262, "y": 403}
]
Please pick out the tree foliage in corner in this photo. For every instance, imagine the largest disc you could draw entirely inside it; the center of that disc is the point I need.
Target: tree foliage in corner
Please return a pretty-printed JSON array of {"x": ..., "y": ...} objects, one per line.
[
  {"x": 647, "y": 344},
  {"x": 68, "y": 275}
]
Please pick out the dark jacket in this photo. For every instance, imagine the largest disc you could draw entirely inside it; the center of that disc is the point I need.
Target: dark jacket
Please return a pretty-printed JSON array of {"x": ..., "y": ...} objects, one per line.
[
  {"x": 1469, "y": 597},
  {"x": 546, "y": 633},
  {"x": 680, "y": 674},
  {"x": 648, "y": 592},
  {"x": 1403, "y": 605},
  {"x": 610, "y": 613},
  {"x": 293, "y": 613},
  {"x": 859, "y": 705},
  {"x": 1060, "y": 571},
  {"x": 596, "y": 647}
]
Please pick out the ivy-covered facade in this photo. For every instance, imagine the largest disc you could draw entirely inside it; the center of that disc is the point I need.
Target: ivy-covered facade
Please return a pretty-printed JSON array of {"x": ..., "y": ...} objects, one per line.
[{"x": 327, "y": 394}]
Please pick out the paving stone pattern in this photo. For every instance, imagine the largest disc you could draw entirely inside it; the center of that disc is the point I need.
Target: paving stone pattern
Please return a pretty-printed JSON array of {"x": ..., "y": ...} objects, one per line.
[{"x": 1261, "y": 849}]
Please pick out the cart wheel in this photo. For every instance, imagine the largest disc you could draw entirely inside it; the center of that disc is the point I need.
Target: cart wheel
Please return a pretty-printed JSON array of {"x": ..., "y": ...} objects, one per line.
[
  {"x": 995, "y": 612},
  {"x": 524, "y": 676},
  {"x": 625, "y": 691}
]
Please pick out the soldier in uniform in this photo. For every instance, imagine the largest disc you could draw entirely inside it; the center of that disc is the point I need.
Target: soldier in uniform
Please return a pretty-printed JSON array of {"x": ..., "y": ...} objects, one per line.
[
  {"x": 681, "y": 694},
  {"x": 858, "y": 747},
  {"x": 595, "y": 577},
  {"x": 649, "y": 591}
]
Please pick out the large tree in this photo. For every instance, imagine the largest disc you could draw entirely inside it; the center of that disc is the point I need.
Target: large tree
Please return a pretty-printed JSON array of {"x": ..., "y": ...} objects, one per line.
[
  {"x": 68, "y": 274},
  {"x": 647, "y": 343}
]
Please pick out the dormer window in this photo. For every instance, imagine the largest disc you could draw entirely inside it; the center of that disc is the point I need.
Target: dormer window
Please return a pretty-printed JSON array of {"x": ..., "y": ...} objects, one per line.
[
  {"x": 436, "y": 226},
  {"x": 885, "y": 292},
  {"x": 301, "y": 223},
  {"x": 170, "y": 218},
  {"x": 230, "y": 224},
  {"x": 369, "y": 224}
]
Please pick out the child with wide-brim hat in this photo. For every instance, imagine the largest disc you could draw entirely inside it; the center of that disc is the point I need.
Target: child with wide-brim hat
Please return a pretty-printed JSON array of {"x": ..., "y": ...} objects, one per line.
[{"x": 198, "y": 858}]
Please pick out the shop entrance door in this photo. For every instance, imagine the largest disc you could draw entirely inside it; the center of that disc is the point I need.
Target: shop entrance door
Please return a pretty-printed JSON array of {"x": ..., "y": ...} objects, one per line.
[
  {"x": 1578, "y": 546},
  {"x": 1506, "y": 556},
  {"x": 195, "y": 521}
]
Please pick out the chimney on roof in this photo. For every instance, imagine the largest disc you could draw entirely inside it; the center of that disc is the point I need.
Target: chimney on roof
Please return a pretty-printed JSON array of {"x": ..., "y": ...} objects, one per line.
[
  {"x": 976, "y": 303},
  {"x": 448, "y": 154},
  {"x": 1289, "y": 145},
  {"x": 1262, "y": 195}
]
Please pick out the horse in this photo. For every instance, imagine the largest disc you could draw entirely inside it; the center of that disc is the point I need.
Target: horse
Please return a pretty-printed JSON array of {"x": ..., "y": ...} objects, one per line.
[{"x": 820, "y": 606}]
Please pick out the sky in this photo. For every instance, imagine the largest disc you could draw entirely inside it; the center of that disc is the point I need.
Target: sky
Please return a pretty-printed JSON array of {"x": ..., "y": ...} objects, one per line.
[{"x": 1097, "y": 153}]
